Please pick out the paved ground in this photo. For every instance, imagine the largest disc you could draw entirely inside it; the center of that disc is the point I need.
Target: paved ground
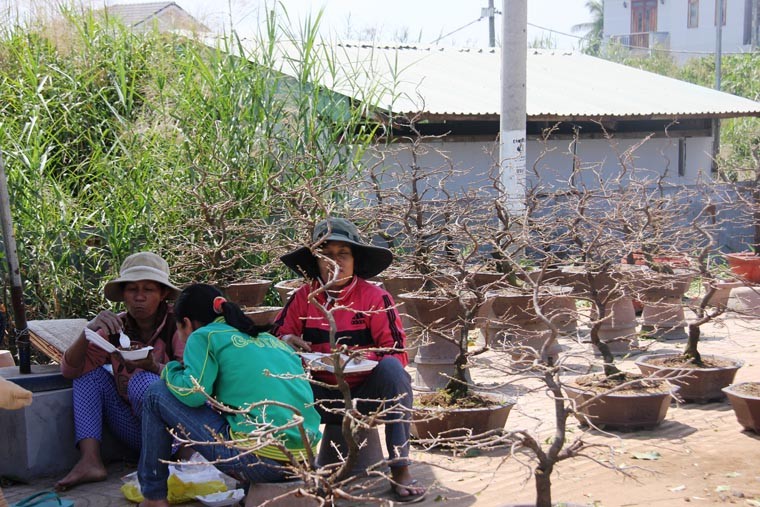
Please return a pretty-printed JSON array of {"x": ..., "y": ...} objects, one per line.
[{"x": 704, "y": 456}]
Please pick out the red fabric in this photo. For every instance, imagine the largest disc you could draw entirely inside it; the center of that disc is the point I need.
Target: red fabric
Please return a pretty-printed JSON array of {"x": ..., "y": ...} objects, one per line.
[
  {"x": 369, "y": 320},
  {"x": 166, "y": 343}
]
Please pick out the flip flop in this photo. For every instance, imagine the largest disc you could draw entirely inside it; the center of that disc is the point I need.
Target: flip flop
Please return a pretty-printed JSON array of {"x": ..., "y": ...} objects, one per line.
[{"x": 410, "y": 498}]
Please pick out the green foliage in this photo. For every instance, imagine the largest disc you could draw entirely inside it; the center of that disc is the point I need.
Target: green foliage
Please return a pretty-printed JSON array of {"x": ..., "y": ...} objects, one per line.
[
  {"x": 117, "y": 141},
  {"x": 594, "y": 29}
]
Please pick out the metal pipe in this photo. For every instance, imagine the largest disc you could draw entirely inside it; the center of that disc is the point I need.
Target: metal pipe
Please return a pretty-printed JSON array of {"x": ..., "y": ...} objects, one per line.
[{"x": 17, "y": 287}]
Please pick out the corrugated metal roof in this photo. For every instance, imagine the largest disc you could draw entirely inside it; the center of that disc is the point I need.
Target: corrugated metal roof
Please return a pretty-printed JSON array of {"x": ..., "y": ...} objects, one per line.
[
  {"x": 134, "y": 14},
  {"x": 452, "y": 84},
  {"x": 170, "y": 16}
]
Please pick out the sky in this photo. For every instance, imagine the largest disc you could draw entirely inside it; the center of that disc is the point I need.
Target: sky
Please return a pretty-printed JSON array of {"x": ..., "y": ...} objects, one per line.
[{"x": 423, "y": 21}]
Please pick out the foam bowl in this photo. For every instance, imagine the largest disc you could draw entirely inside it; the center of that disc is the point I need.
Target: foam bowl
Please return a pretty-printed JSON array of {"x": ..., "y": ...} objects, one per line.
[
  {"x": 222, "y": 499},
  {"x": 135, "y": 355}
]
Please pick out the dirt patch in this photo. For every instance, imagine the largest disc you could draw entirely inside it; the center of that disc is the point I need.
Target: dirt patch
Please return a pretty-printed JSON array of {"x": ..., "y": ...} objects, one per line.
[
  {"x": 748, "y": 389},
  {"x": 443, "y": 399},
  {"x": 681, "y": 362},
  {"x": 636, "y": 384}
]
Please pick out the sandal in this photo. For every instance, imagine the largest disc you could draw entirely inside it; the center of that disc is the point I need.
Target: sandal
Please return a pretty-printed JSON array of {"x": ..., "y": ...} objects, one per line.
[
  {"x": 411, "y": 497},
  {"x": 44, "y": 499}
]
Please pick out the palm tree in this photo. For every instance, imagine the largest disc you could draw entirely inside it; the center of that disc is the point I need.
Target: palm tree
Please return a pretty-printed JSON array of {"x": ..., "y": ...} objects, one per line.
[{"x": 594, "y": 28}]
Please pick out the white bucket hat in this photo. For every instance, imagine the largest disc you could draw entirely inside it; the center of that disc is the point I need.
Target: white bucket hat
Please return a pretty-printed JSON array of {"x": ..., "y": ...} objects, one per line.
[{"x": 137, "y": 267}]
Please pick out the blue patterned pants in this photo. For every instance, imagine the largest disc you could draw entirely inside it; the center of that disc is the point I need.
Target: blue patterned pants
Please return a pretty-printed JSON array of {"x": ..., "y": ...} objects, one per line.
[{"x": 96, "y": 400}]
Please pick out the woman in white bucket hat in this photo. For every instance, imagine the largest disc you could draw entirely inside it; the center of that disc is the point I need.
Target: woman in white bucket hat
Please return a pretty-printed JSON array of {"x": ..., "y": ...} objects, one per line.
[{"x": 106, "y": 386}]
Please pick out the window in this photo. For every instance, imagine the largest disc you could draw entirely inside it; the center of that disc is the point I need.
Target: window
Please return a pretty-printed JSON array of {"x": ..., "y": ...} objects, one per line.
[
  {"x": 682, "y": 157},
  {"x": 723, "y": 4},
  {"x": 693, "y": 14}
]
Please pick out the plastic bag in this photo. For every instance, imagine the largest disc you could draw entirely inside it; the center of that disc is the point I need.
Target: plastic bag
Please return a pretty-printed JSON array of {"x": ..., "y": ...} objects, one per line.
[{"x": 185, "y": 482}]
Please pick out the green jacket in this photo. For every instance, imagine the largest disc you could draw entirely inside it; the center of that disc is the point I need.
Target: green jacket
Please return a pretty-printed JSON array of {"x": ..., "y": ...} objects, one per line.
[{"x": 239, "y": 370}]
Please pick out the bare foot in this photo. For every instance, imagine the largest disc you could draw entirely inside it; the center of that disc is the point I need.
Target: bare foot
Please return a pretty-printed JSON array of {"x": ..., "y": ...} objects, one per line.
[{"x": 84, "y": 471}]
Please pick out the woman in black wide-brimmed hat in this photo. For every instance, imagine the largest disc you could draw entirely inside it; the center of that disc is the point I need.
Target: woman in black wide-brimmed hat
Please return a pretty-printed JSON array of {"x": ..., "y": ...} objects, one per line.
[{"x": 366, "y": 319}]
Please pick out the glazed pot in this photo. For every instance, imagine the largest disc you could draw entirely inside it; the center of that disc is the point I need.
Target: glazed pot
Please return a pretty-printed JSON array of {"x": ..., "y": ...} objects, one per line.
[
  {"x": 746, "y": 405},
  {"x": 451, "y": 422},
  {"x": 700, "y": 385},
  {"x": 619, "y": 411}
]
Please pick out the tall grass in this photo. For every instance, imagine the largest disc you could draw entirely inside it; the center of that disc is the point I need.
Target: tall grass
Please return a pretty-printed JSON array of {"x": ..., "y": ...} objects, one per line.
[{"x": 118, "y": 141}]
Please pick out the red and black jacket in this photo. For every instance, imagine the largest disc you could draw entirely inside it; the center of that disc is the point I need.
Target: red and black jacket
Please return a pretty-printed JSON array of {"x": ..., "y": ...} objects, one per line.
[{"x": 366, "y": 318}]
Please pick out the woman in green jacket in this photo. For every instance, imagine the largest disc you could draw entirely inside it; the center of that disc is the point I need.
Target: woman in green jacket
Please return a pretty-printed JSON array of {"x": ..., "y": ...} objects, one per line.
[{"x": 235, "y": 362}]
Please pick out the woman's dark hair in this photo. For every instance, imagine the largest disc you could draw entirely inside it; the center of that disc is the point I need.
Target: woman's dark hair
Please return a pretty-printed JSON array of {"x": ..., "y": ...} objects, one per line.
[{"x": 196, "y": 302}]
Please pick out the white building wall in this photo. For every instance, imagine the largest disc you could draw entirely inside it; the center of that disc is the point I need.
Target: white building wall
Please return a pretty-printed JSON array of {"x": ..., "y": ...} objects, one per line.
[
  {"x": 672, "y": 17},
  {"x": 553, "y": 162}
]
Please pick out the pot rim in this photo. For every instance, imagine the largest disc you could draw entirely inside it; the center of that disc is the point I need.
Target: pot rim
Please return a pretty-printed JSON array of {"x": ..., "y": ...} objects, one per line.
[
  {"x": 738, "y": 363},
  {"x": 501, "y": 401},
  {"x": 672, "y": 392},
  {"x": 729, "y": 389}
]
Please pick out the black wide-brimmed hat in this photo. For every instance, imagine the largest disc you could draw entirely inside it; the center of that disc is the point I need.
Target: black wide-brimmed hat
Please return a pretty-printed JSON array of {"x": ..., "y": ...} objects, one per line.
[{"x": 369, "y": 260}]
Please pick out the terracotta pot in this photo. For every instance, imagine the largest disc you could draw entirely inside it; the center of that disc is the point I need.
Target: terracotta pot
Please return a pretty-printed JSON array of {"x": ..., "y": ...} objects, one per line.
[
  {"x": 286, "y": 288},
  {"x": 745, "y": 265},
  {"x": 508, "y": 319},
  {"x": 746, "y": 406},
  {"x": 722, "y": 292},
  {"x": 701, "y": 385},
  {"x": 451, "y": 422},
  {"x": 251, "y": 293},
  {"x": 397, "y": 284},
  {"x": 436, "y": 323},
  {"x": 618, "y": 331},
  {"x": 662, "y": 316},
  {"x": 624, "y": 412},
  {"x": 263, "y": 315}
]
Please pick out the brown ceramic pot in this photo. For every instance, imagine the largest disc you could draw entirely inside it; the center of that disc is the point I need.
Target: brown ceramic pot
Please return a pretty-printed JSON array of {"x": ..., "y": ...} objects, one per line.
[
  {"x": 246, "y": 294},
  {"x": 451, "y": 422},
  {"x": 746, "y": 406},
  {"x": 263, "y": 315},
  {"x": 617, "y": 411},
  {"x": 699, "y": 385}
]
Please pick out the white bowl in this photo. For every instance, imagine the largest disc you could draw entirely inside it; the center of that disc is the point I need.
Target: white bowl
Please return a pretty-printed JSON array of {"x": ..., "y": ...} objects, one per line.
[
  {"x": 222, "y": 499},
  {"x": 135, "y": 355}
]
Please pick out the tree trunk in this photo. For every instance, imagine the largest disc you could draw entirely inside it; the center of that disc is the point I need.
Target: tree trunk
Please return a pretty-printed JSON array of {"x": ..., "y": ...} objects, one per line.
[
  {"x": 543, "y": 487},
  {"x": 691, "y": 345}
]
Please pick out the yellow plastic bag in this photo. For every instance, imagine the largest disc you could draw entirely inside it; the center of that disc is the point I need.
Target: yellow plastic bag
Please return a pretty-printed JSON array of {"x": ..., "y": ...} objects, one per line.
[{"x": 183, "y": 485}]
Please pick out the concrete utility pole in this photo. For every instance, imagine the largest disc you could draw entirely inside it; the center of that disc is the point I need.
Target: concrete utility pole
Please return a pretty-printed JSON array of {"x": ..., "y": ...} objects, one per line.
[
  {"x": 514, "y": 49},
  {"x": 718, "y": 58},
  {"x": 490, "y": 12}
]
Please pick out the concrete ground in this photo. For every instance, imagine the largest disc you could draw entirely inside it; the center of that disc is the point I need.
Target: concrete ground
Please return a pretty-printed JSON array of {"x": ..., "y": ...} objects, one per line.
[{"x": 698, "y": 456}]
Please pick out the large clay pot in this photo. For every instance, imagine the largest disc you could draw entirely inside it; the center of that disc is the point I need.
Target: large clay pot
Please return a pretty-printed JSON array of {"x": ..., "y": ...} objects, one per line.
[
  {"x": 251, "y": 293},
  {"x": 438, "y": 322},
  {"x": 700, "y": 385},
  {"x": 624, "y": 412},
  {"x": 286, "y": 288},
  {"x": 745, "y": 265},
  {"x": 722, "y": 292},
  {"x": 451, "y": 422},
  {"x": 745, "y": 400},
  {"x": 263, "y": 315},
  {"x": 618, "y": 329},
  {"x": 663, "y": 316},
  {"x": 507, "y": 319}
]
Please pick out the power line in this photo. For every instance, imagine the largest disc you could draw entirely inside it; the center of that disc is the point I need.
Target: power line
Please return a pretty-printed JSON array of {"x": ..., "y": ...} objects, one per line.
[{"x": 456, "y": 30}]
